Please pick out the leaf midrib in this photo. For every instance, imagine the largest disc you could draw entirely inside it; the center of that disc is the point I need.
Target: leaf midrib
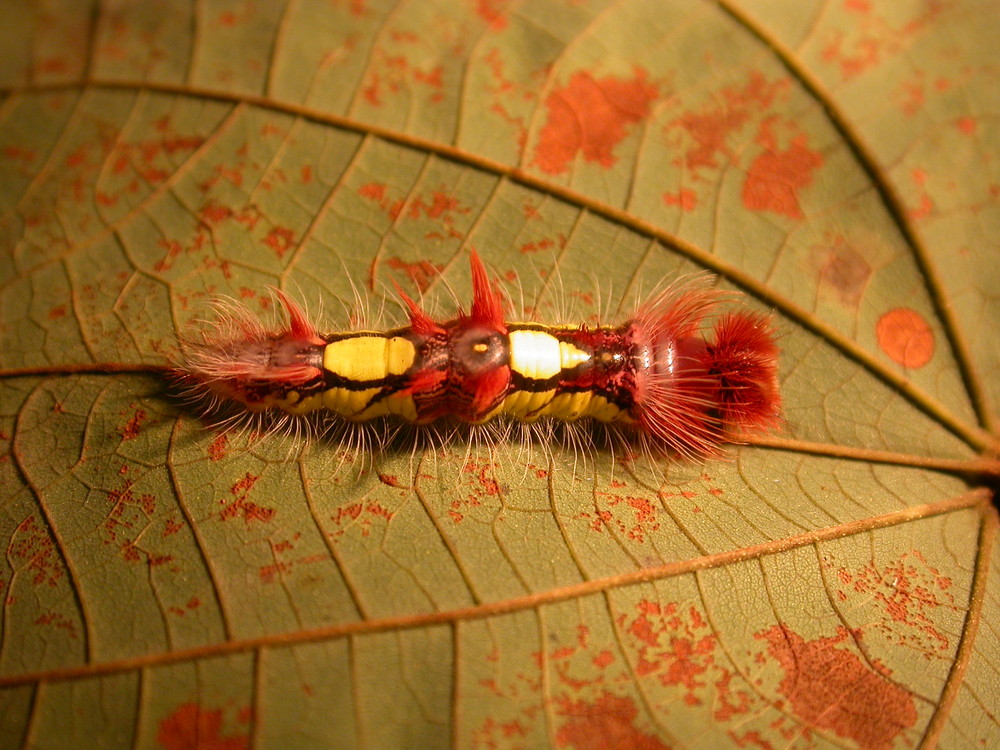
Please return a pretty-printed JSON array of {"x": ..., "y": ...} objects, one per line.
[{"x": 977, "y": 499}]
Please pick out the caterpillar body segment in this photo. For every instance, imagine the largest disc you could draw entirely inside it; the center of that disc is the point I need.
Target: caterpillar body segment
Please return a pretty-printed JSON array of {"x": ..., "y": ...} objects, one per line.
[{"x": 659, "y": 374}]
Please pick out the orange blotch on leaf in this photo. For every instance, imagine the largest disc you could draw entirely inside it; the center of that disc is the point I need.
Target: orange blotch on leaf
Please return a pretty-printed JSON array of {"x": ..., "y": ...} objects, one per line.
[
  {"x": 777, "y": 175},
  {"x": 590, "y": 116},
  {"x": 191, "y": 726},
  {"x": 709, "y": 128},
  {"x": 491, "y": 11},
  {"x": 372, "y": 190},
  {"x": 967, "y": 125},
  {"x": 607, "y": 722},
  {"x": 830, "y": 688},
  {"x": 686, "y": 199},
  {"x": 905, "y": 336}
]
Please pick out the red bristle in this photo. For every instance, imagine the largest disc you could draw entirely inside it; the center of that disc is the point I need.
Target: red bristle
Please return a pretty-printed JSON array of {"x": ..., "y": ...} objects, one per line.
[
  {"x": 744, "y": 358},
  {"x": 235, "y": 355},
  {"x": 420, "y": 322},
  {"x": 487, "y": 302},
  {"x": 673, "y": 393},
  {"x": 298, "y": 324},
  {"x": 695, "y": 394}
]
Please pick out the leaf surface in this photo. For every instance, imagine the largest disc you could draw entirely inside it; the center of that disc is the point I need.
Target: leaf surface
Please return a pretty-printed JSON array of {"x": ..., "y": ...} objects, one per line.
[{"x": 169, "y": 585}]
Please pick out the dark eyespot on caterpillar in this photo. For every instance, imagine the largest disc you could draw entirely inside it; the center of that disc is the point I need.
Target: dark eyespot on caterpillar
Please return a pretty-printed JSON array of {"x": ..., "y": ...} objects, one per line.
[{"x": 678, "y": 377}]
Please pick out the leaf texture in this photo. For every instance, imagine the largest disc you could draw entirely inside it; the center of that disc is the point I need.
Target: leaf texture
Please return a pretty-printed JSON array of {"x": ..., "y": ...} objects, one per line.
[{"x": 170, "y": 585}]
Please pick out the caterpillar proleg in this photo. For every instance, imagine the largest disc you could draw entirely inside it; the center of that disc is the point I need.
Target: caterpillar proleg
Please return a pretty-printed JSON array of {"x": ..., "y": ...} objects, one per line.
[{"x": 678, "y": 375}]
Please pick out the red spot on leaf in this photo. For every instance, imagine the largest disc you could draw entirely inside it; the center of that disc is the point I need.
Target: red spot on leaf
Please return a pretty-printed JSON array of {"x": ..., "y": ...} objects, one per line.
[
  {"x": 909, "y": 592},
  {"x": 491, "y": 11},
  {"x": 645, "y": 516},
  {"x": 752, "y": 738},
  {"x": 967, "y": 125},
  {"x": 360, "y": 514},
  {"x": 607, "y": 722},
  {"x": 924, "y": 209},
  {"x": 240, "y": 506},
  {"x": 421, "y": 273},
  {"x": 348, "y": 513},
  {"x": 391, "y": 74},
  {"x": 173, "y": 250},
  {"x": 604, "y": 659},
  {"x": 268, "y": 573},
  {"x": 686, "y": 199},
  {"x": 217, "y": 449},
  {"x": 280, "y": 239},
  {"x": 494, "y": 734},
  {"x": 53, "y": 65},
  {"x": 377, "y": 509},
  {"x": 729, "y": 704},
  {"x": 546, "y": 243},
  {"x": 190, "y": 727},
  {"x": 129, "y": 515},
  {"x": 77, "y": 157},
  {"x": 711, "y": 127},
  {"x": 171, "y": 526},
  {"x": 906, "y": 338},
  {"x": 373, "y": 191},
  {"x": 131, "y": 429},
  {"x": 776, "y": 176},
  {"x": 833, "y": 690},
  {"x": 589, "y": 117},
  {"x": 19, "y": 153},
  {"x": 193, "y": 603},
  {"x": 439, "y": 207},
  {"x": 57, "y": 621},
  {"x": 389, "y": 479},
  {"x": 911, "y": 96},
  {"x": 215, "y": 213},
  {"x": 673, "y": 643},
  {"x": 441, "y": 203}
]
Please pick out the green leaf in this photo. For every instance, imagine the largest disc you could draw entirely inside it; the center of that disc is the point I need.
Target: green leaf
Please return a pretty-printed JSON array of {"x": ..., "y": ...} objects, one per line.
[{"x": 167, "y": 585}]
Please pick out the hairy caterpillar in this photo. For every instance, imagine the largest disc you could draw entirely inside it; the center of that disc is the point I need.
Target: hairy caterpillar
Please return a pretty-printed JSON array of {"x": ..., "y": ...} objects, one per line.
[{"x": 656, "y": 375}]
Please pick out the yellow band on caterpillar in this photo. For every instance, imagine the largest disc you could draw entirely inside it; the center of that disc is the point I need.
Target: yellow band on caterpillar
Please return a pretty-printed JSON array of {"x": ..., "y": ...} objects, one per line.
[
  {"x": 528, "y": 406},
  {"x": 365, "y": 358}
]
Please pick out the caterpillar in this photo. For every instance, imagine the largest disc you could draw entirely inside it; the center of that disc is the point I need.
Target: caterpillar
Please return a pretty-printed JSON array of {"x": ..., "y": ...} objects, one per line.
[{"x": 658, "y": 376}]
